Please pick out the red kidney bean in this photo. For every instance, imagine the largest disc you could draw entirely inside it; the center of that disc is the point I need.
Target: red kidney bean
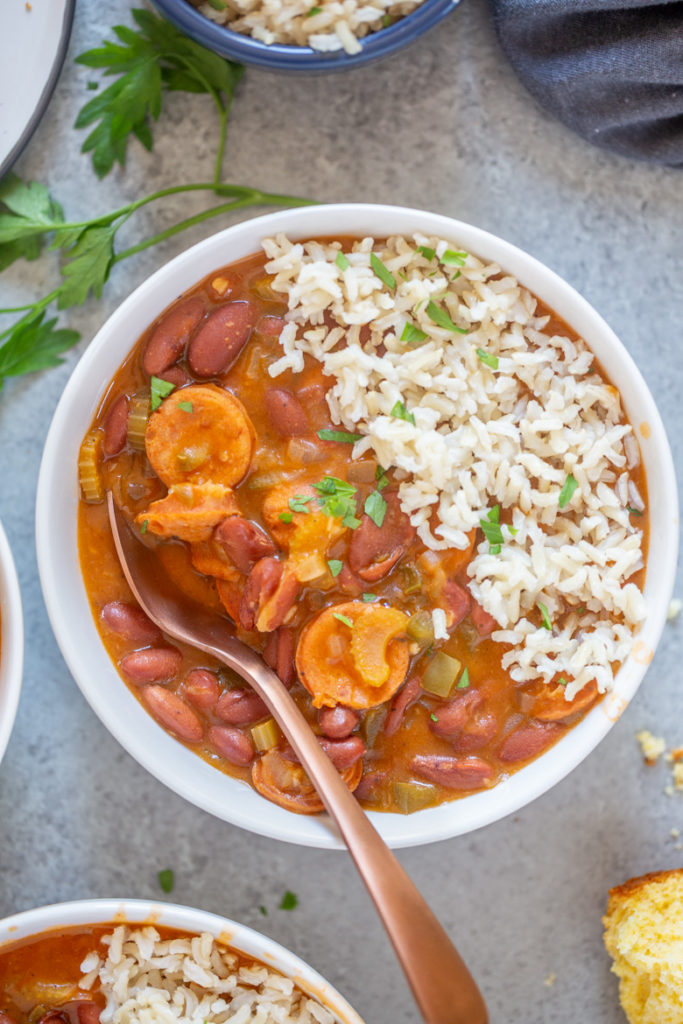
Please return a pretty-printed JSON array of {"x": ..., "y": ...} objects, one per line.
[
  {"x": 170, "y": 336},
  {"x": 201, "y": 688},
  {"x": 370, "y": 782},
  {"x": 88, "y": 1013},
  {"x": 243, "y": 542},
  {"x": 458, "y": 601},
  {"x": 406, "y": 696},
  {"x": 375, "y": 550},
  {"x": 271, "y": 326},
  {"x": 175, "y": 375},
  {"x": 285, "y": 412},
  {"x": 53, "y": 1017},
  {"x": 151, "y": 665},
  {"x": 173, "y": 713},
  {"x": 267, "y": 586},
  {"x": 131, "y": 623},
  {"x": 339, "y": 722},
  {"x": 233, "y": 745},
  {"x": 343, "y": 753},
  {"x": 279, "y": 654},
  {"x": 115, "y": 427},
  {"x": 454, "y": 772},
  {"x": 476, "y": 734},
  {"x": 529, "y": 741},
  {"x": 483, "y": 622},
  {"x": 451, "y": 718},
  {"x": 240, "y": 707},
  {"x": 220, "y": 339}
]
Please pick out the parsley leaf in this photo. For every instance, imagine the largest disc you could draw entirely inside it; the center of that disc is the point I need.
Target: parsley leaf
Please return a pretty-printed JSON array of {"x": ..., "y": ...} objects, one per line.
[
  {"x": 289, "y": 901},
  {"x": 401, "y": 413},
  {"x": 385, "y": 276},
  {"x": 144, "y": 525},
  {"x": 454, "y": 259},
  {"x": 299, "y": 503},
  {"x": 381, "y": 478},
  {"x": 34, "y": 344},
  {"x": 425, "y": 251},
  {"x": 488, "y": 358},
  {"x": 375, "y": 507},
  {"x": 148, "y": 60},
  {"x": 186, "y": 406},
  {"x": 568, "y": 488},
  {"x": 335, "y": 566},
  {"x": 340, "y": 259},
  {"x": 336, "y": 498},
  {"x": 547, "y": 624},
  {"x": 634, "y": 511},
  {"x": 368, "y": 597},
  {"x": 343, "y": 618},
  {"x": 492, "y": 530},
  {"x": 286, "y": 517},
  {"x": 412, "y": 335},
  {"x": 89, "y": 261},
  {"x": 262, "y": 910},
  {"x": 441, "y": 318},
  {"x": 342, "y": 436},
  {"x": 26, "y": 209},
  {"x": 464, "y": 680},
  {"x": 166, "y": 880},
  {"x": 159, "y": 389}
]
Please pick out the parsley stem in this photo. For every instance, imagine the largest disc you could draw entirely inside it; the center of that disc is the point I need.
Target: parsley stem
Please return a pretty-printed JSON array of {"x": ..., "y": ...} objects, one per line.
[{"x": 33, "y": 308}]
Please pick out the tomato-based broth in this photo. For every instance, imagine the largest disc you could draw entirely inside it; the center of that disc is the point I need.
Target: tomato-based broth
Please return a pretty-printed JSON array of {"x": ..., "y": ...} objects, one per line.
[{"x": 248, "y": 491}]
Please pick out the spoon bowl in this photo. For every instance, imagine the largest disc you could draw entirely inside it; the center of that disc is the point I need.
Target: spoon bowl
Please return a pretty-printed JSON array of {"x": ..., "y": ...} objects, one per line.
[{"x": 444, "y": 989}]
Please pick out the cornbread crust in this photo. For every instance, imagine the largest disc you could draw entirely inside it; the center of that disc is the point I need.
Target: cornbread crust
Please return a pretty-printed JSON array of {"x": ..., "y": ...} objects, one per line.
[{"x": 644, "y": 936}]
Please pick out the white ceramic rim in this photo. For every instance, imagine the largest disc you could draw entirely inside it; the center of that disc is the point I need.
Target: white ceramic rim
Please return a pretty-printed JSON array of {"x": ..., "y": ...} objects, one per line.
[
  {"x": 11, "y": 642},
  {"x": 70, "y": 615},
  {"x": 238, "y": 936}
]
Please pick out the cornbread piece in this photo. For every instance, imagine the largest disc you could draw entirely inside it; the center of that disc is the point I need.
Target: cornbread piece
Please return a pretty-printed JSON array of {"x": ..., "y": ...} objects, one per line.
[{"x": 644, "y": 936}]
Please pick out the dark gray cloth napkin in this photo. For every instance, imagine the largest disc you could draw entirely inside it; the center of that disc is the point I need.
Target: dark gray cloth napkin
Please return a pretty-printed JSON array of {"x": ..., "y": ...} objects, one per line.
[{"x": 611, "y": 71}]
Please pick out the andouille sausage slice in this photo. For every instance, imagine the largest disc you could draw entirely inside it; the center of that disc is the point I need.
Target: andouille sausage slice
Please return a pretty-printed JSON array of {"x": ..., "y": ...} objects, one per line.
[
  {"x": 169, "y": 338},
  {"x": 283, "y": 781},
  {"x": 220, "y": 339},
  {"x": 174, "y": 713},
  {"x": 375, "y": 550},
  {"x": 88, "y": 1012}
]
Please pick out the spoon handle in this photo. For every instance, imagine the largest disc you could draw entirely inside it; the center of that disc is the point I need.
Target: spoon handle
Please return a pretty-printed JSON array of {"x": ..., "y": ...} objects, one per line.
[{"x": 441, "y": 983}]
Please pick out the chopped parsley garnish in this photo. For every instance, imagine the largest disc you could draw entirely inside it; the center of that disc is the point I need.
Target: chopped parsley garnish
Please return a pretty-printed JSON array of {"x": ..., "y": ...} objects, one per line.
[
  {"x": 434, "y": 718},
  {"x": 166, "y": 880},
  {"x": 145, "y": 524},
  {"x": 218, "y": 5},
  {"x": 464, "y": 680},
  {"x": 262, "y": 910},
  {"x": 568, "y": 488},
  {"x": 561, "y": 681},
  {"x": 456, "y": 275},
  {"x": 547, "y": 624},
  {"x": 454, "y": 259},
  {"x": 340, "y": 259},
  {"x": 401, "y": 413},
  {"x": 309, "y": 14},
  {"x": 344, "y": 618},
  {"x": 441, "y": 318},
  {"x": 289, "y": 901},
  {"x": 488, "y": 358},
  {"x": 336, "y": 498},
  {"x": 491, "y": 527},
  {"x": 342, "y": 436},
  {"x": 159, "y": 389},
  {"x": 335, "y": 566},
  {"x": 375, "y": 507},
  {"x": 385, "y": 276},
  {"x": 381, "y": 478},
  {"x": 387, "y": 20},
  {"x": 581, "y": 610},
  {"x": 286, "y": 517},
  {"x": 412, "y": 335},
  {"x": 634, "y": 511},
  {"x": 425, "y": 251},
  {"x": 186, "y": 406},
  {"x": 368, "y": 597},
  {"x": 299, "y": 503}
]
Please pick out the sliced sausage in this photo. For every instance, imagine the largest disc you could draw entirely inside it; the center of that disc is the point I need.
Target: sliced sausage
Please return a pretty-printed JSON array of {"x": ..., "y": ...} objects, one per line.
[
  {"x": 278, "y": 654},
  {"x": 233, "y": 745},
  {"x": 529, "y": 741},
  {"x": 170, "y": 336},
  {"x": 151, "y": 665},
  {"x": 243, "y": 542},
  {"x": 406, "y": 696},
  {"x": 240, "y": 707},
  {"x": 88, "y": 1012},
  {"x": 131, "y": 623},
  {"x": 220, "y": 339},
  {"x": 201, "y": 688},
  {"x": 458, "y": 602},
  {"x": 116, "y": 427},
  {"x": 454, "y": 772},
  {"x": 338, "y": 722},
  {"x": 285, "y": 412},
  {"x": 375, "y": 550},
  {"x": 173, "y": 713},
  {"x": 483, "y": 622}
]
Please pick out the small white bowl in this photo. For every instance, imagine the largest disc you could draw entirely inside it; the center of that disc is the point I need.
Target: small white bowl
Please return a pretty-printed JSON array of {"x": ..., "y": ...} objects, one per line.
[
  {"x": 11, "y": 642},
  {"x": 67, "y": 601},
  {"x": 134, "y": 912}
]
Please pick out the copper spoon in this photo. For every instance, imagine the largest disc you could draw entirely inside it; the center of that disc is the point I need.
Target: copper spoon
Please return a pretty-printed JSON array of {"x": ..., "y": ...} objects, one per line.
[{"x": 442, "y": 986}]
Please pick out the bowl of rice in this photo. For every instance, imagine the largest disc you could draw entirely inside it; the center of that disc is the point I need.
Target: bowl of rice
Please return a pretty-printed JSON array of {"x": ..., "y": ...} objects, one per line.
[
  {"x": 499, "y": 403},
  {"x": 115, "y": 960},
  {"x": 11, "y": 642},
  {"x": 301, "y": 36}
]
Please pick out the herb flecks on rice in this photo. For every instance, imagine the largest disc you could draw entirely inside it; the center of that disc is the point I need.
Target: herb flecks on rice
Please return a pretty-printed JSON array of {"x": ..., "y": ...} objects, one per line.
[
  {"x": 510, "y": 430},
  {"x": 190, "y": 980}
]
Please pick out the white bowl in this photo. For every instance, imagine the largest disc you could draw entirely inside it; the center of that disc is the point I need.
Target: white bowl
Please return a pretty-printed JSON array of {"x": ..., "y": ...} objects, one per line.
[
  {"x": 11, "y": 642},
  {"x": 239, "y": 937},
  {"x": 67, "y": 601}
]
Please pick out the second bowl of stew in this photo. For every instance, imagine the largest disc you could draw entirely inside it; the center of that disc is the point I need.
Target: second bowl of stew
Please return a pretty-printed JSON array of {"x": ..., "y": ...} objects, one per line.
[{"x": 415, "y": 470}]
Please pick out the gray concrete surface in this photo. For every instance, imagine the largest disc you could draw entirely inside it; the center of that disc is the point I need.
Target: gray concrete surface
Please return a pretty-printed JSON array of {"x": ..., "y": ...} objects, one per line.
[{"x": 446, "y": 126}]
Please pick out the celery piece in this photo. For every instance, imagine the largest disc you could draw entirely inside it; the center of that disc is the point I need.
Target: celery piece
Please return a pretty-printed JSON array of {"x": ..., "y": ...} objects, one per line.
[
  {"x": 412, "y": 579},
  {"x": 138, "y": 417},
  {"x": 371, "y": 726},
  {"x": 266, "y": 734},
  {"x": 441, "y": 675},
  {"x": 89, "y": 470},
  {"x": 420, "y": 628},
  {"x": 413, "y": 796}
]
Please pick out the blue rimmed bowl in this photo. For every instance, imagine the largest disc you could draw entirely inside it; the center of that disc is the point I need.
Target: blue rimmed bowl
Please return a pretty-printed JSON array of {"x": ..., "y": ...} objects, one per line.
[{"x": 302, "y": 59}]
